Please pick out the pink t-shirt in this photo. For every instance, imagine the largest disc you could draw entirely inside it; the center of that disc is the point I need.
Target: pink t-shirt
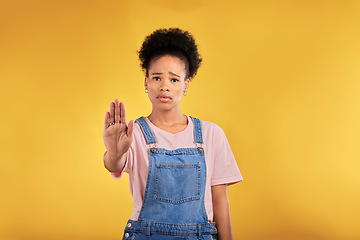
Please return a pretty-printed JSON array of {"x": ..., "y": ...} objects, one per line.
[{"x": 221, "y": 167}]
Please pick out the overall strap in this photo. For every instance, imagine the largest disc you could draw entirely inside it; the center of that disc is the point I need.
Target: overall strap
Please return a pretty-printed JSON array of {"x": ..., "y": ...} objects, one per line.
[
  {"x": 149, "y": 136},
  {"x": 197, "y": 130}
]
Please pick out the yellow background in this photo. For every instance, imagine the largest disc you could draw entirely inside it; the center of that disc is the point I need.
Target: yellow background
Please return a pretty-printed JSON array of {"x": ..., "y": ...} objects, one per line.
[{"x": 281, "y": 78}]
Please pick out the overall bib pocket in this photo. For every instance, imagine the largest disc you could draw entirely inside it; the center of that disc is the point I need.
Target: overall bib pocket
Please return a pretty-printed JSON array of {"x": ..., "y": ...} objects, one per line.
[{"x": 186, "y": 178}]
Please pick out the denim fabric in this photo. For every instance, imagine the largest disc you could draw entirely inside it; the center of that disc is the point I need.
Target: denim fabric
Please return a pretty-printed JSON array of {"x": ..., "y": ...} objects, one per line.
[
  {"x": 173, "y": 206},
  {"x": 152, "y": 230},
  {"x": 163, "y": 191}
]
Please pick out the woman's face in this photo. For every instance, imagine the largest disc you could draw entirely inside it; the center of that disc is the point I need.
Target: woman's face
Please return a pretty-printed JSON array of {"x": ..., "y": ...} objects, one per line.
[{"x": 166, "y": 82}]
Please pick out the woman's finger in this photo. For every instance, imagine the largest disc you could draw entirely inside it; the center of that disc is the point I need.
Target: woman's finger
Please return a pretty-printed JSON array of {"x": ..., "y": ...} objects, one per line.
[
  {"x": 106, "y": 120},
  {"x": 130, "y": 128},
  {"x": 117, "y": 111},
  {"x": 122, "y": 113},
  {"x": 112, "y": 112}
]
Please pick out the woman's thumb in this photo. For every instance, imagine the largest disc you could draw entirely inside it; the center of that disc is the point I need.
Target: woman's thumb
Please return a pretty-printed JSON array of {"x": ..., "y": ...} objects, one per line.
[{"x": 130, "y": 128}]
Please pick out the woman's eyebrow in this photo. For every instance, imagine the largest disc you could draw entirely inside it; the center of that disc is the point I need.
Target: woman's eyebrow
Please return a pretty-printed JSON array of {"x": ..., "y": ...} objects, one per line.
[
  {"x": 174, "y": 74},
  {"x": 159, "y": 73}
]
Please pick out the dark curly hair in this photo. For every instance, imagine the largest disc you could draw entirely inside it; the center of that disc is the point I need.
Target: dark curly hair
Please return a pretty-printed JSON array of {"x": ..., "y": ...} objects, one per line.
[{"x": 174, "y": 42}]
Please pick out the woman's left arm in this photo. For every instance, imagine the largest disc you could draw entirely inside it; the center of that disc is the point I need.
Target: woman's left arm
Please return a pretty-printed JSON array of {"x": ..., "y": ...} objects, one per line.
[{"x": 221, "y": 210}]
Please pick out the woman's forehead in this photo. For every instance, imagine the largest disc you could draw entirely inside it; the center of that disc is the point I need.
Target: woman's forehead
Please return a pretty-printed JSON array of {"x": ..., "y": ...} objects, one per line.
[{"x": 167, "y": 64}]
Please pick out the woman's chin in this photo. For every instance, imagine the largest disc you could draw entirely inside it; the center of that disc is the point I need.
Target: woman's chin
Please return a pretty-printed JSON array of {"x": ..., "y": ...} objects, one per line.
[{"x": 163, "y": 107}]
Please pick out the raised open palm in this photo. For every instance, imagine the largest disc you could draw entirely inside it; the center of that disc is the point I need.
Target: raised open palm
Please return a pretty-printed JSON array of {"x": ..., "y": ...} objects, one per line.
[{"x": 116, "y": 134}]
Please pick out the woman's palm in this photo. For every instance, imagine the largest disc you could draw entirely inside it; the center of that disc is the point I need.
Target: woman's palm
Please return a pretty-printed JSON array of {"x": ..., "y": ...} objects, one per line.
[{"x": 117, "y": 137}]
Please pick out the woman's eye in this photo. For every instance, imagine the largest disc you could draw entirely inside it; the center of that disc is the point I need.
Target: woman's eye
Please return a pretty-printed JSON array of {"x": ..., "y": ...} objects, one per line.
[
  {"x": 174, "y": 80},
  {"x": 156, "y": 78}
]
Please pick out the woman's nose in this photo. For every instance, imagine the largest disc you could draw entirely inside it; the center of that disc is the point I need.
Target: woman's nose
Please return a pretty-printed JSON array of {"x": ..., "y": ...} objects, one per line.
[{"x": 164, "y": 87}]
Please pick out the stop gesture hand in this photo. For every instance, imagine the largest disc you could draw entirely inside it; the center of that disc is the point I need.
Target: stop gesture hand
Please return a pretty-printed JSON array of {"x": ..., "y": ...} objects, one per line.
[{"x": 116, "y": 134}]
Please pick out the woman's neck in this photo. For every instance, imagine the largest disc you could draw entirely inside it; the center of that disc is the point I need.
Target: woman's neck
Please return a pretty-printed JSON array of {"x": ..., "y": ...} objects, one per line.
[{"x": 163, "y": 119}]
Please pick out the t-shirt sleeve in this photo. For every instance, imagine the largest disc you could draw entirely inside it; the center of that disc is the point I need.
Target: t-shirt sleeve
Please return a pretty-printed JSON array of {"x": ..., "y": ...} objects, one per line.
[
  {"x": 226, "y": 170},
  {"x": 127, "y": 167}
]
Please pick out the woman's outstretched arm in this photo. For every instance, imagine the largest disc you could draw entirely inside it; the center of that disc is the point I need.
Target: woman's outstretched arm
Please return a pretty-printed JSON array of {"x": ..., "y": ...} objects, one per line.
[{"x": 117, "y": 136}]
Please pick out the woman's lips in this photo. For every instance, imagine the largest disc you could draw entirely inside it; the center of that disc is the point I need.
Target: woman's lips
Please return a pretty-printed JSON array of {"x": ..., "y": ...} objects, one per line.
[{"x": 163, "y": 98}]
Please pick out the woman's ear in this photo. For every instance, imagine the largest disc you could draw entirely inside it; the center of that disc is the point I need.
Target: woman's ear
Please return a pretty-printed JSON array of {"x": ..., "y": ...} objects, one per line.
[
  {"x": 187, "y": 81},
  {"x": 145, "y": 82}
]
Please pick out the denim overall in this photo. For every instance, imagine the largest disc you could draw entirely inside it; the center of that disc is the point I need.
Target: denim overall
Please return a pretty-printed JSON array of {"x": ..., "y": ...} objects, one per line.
[{"x": 173, "y": 206}]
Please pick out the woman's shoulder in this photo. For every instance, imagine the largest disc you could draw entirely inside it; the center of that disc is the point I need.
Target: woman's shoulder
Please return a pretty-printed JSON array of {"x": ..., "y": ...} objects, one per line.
[{"x": 211, "y": 127}]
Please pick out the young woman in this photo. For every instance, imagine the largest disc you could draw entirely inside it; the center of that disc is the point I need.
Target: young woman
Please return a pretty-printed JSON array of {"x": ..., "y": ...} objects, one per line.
[{"x": 179, "y": 167}]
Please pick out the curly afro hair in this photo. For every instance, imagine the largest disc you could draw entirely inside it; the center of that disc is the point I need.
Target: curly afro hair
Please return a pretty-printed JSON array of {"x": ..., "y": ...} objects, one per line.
[{"x": 174, "y": 42}]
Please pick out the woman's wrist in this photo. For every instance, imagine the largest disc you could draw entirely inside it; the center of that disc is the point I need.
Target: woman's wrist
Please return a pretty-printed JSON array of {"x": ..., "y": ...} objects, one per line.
[{"x": 114, "y": 163}]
